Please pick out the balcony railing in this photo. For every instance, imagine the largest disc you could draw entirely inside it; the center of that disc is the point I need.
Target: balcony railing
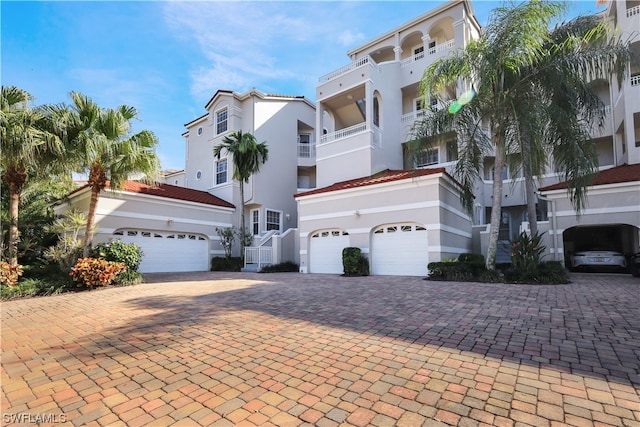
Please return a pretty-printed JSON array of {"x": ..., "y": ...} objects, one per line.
[
  {"x": 635, "y": 80},
  {"x": 633, "y": 11},
  {"x": 442, "y": 46},
  {"x": 343, "y": 133},
  {"x": 307, "y": 151},
  {"x": 355, "y": 64},
  {"x": 413, "y": 116}
]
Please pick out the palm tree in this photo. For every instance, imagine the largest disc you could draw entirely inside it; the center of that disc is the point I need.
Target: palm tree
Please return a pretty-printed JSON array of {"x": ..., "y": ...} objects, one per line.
[
  {"x": 531, "y": 91},
  {"x": 27, "y": 149},
  {"x": 247, "y": 156},
  {"x": 104, "y": 148}
]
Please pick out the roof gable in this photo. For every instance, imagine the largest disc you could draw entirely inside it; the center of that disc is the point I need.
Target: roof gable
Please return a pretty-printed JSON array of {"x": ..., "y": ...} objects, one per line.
[
  {"x": 385, "y": 176},
  {"x": 614, "y": 175},
  {"x": 169, "y": 191}
]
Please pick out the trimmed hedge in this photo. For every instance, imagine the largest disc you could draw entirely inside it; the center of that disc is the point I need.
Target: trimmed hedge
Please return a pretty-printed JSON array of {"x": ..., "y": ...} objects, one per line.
[
  {"x": 226, "y": 264},
  {"x": 354, "y": 263},
  {"x": 471, "y": 268},
  {"x": 283, "y": 267}
]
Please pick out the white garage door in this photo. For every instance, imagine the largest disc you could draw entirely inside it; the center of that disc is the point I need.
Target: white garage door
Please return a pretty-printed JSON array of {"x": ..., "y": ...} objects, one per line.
[
  {"x": 399, "y": 250},
  {"x": 168, "y": 252},
  {"x": 326, "y": 251}
]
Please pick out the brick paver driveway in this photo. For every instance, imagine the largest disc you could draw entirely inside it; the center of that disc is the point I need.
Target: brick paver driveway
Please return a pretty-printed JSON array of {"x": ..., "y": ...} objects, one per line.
[{"x": 292, "y": 349}]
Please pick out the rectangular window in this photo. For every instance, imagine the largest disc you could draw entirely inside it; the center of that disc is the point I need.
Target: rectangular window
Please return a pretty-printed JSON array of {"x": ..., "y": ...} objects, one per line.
[
  {"x": 452, "y": 151},
  {"x": 221, "y": 171},
  {"x": 418, "y": 53},
  {"x": 273, "y": 220},
  {"x": 255, "y": 222},
  {"x": 221, "y": 121},
  {"x": 427, "y": 157}
]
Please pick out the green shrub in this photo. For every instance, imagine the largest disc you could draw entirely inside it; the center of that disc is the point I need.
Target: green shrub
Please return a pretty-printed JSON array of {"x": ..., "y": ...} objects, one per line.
[
  {"x": 36, "y": 287},
  {"x": 354, "y": 263},
  {"x": 472, "y": 258},
  {"x": 118, "y": 251},
  {"x": 526, "y": 252},
  {"x": 546, "y": 273},
  {"x": 226, "y": 264},
  {"x": 491, "y": 276},
  {"x": 283, "y": 267}
]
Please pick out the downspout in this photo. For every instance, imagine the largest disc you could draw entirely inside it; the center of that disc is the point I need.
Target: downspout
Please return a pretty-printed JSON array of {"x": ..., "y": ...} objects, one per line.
[{"x": 554, "y": 225}]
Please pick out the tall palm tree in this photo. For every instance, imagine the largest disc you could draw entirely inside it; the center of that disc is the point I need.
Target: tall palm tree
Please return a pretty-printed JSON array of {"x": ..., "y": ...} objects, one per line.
[
  {"x": 530, "y": 86},
  {"x": 27, "y": 149},
  {"x": 577, "y": 52},
  {"x": 247, "y": 156},
  {"x": 105, "y": 148}
]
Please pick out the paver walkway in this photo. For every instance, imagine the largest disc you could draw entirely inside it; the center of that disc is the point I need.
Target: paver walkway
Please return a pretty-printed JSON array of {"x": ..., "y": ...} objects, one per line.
[{"x": 291, "y": 349}]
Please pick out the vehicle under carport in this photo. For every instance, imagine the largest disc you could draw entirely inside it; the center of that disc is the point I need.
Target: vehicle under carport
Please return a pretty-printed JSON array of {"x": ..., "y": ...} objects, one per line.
[{"x": 615, "y": 237}]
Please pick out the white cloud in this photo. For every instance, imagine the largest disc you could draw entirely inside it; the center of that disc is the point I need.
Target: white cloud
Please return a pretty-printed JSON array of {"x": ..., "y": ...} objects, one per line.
[{"x": 348, "y": 38}]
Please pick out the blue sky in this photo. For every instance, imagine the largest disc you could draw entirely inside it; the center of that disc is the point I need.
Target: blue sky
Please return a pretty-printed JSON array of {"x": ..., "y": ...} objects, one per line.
[{"x": 168, "y": 58}]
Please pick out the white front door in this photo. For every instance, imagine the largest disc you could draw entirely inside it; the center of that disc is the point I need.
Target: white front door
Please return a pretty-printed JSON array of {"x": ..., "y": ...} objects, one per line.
[{"x": 399, "y": 250}]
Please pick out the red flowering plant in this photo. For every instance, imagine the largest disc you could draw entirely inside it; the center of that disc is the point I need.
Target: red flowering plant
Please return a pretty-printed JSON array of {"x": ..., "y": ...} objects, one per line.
[
  {"x": 9, "y": 273},
  {"x": 92, "y": 272}
]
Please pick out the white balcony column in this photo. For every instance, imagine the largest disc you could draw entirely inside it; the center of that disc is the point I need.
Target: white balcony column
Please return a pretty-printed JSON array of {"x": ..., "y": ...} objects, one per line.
[
  {"x": 398, "y": 51},
  {"x": 368, "y": 93},
  {"x": 459, "y": 31},
  {"x": 319, "y": 121}
]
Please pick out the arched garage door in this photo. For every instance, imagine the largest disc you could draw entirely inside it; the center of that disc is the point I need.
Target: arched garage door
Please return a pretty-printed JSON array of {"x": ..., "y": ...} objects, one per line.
[
  {"x": 399, "y": 250},
  {"x": 326, "y": 251},
  {"x": 168, "y": 252}
]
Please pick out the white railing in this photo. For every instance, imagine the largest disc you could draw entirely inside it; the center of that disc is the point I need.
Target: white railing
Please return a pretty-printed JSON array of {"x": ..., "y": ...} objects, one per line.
[
  {"x": 635, "y": 80},
  {"x": 259, "y": 256},
  {"x": 340, "y": 71},
  {"x": 413, "y": 116},
  {"x": 307, "y": 150},
  {"x": 418, "y": 56},
  {"x": 343, "y": 133},
  {"x": 633, "y": 11},
  {"x": 442, "y": 46}
]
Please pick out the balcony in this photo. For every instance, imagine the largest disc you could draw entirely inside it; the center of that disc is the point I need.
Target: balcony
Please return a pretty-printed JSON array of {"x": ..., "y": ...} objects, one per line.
[
  {"x": 635, "y": 80},
  {"x": 344, "y": 133},
  {"x": 365, "y": 60},
  {"x": 441, "y": 47},
  {"x": 633, "y": 11}
]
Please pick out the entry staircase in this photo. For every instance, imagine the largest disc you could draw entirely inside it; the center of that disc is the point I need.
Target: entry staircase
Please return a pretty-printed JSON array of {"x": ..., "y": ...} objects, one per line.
[{"x": 261, "y": 254}]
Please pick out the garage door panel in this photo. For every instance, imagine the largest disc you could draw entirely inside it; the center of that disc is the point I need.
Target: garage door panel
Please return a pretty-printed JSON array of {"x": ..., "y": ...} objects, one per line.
[
  {"x": 326, "y": 251},
  {"x": 169, "y": 252},
  {"x": 400, "y": 249}
]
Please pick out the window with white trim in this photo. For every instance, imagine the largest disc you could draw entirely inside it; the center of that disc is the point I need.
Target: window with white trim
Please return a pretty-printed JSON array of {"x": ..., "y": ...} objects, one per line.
[
  {"x": 255, "y": 221},
  {"x": 427, "y": 158},
  {"x": 273, "y": 220},
  {"x": 222, "y": 119},
  {"x": 221, "y": 171}
]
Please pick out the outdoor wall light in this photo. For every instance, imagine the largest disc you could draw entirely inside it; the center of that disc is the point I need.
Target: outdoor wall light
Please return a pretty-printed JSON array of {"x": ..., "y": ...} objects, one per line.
[{"x": 288, "y": 216}]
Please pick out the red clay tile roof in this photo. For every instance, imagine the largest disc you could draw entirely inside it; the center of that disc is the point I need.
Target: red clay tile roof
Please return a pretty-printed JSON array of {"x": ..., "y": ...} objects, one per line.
[
  {"x": 615, "y": 175},
  {"x": 387, "y": 175},
  {"x": 171, "y": 192}
]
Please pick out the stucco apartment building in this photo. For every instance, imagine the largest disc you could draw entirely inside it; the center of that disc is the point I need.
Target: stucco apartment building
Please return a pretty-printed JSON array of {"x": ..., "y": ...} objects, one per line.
[{"x": 338, "y": 173}]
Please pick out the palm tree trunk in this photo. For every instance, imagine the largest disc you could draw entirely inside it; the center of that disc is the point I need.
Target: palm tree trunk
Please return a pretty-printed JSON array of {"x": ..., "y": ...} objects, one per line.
[
  {"x": 16, "y": 180},
  {"x": 496, "y": 208},
  {"x": 91, "y": 218},
  {"x": 531, "y": 203},
  {"x": 14, "y": 202},
  {"x": 242, "y": 225}
]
